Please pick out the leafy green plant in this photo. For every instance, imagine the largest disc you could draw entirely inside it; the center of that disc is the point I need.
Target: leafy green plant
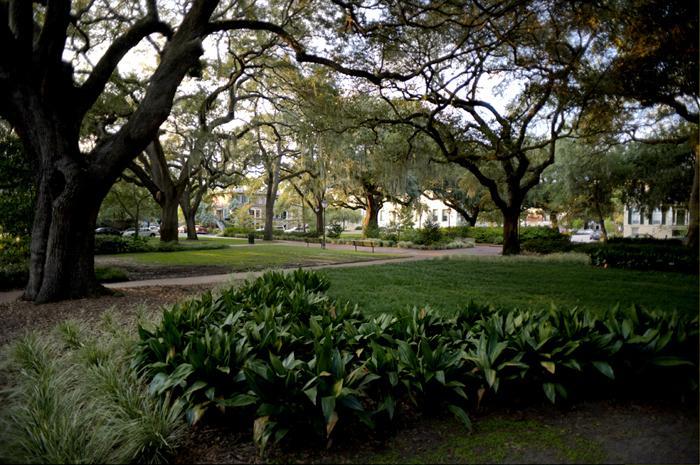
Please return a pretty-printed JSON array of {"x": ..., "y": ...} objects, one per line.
[
  {"x": 334, "y": 230},
  {"x": 281, "y": 355},
  {"x": 429, "y": 234}
]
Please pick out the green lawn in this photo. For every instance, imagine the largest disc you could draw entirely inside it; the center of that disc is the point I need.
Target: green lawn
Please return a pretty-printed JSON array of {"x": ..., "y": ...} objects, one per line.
[
  {"x": 258, "y": 256},
  {"x": 509, "y": 282}
]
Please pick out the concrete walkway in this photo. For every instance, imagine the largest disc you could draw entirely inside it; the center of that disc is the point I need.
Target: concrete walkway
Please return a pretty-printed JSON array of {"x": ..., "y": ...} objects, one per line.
[{"x": 404, "y": 255}]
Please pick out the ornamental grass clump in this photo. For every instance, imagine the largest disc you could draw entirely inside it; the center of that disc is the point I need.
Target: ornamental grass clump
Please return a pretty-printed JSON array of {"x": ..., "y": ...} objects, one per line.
[
  {"x": 279, "y": 355},
  {"x": 71, "y": 397}
]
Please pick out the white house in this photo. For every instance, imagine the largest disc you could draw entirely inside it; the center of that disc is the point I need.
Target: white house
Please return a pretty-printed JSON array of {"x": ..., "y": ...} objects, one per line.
[
  {"x": 435, "y": 209},
  {"x": 661, "y": 223}
]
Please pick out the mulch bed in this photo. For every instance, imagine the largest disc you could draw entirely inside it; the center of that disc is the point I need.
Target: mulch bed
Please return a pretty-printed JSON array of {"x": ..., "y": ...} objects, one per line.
[{"x": 19, "y": 316}]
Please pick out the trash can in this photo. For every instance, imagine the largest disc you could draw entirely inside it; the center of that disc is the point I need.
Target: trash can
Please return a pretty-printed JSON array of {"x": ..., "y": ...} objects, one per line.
[{"x": 251, "y": 238}]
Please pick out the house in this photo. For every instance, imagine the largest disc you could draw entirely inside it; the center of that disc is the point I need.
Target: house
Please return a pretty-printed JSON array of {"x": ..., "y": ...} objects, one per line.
[
  {"x": 240, "y": 205},
  {"x": 436, "y": 210},
  {"x": 661, "y": 223}
]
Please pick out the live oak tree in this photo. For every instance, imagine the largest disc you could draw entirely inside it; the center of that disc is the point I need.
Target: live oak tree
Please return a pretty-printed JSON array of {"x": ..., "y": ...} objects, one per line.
[
  {"x": 46, "y": 101},
  {"x": 651, "y": 59},
  {"x": 459, "y": 190},
  {"x": 58, "y": 58}
]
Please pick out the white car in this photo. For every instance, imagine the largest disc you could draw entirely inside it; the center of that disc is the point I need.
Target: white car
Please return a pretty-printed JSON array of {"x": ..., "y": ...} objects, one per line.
[
  {"x": 143, "y": 232},
  {"x": 585, "y": 235}
]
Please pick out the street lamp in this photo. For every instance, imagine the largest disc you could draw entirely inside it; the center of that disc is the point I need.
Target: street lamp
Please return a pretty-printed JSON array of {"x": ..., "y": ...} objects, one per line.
[{"x": 324, "y": 204}]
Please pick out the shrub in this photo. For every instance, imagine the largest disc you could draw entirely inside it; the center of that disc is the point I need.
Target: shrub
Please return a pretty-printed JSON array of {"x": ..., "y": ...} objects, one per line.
[
  {"x": 429, "y": 234},
  {"x": 547, "y": 245},
  {"x": 486, "y": 235},
  {"x": 13, "y": 276},
  {"x": 334, "y": 230},
  {"x": 539, "y": 232},
  {"x": 110, "y": 274},
  {"x": 370, "y": 232},
  {"x": 108, "y": 244},
  {"x": 645, "y": 256},
  {"x": 455, "y": 232},
  {"x": 281, "y": 355},
  {"x": 14, "y": 249},
  {"x": 232, "y": 231}
]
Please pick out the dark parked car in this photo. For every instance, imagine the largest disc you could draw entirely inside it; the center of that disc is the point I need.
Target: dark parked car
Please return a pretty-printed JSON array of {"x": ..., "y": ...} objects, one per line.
[{"x": 107, "y": 230}]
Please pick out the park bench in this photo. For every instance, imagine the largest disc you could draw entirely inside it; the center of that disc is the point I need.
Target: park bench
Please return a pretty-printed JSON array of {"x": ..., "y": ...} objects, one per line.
[{"x": 363, "y": 244}]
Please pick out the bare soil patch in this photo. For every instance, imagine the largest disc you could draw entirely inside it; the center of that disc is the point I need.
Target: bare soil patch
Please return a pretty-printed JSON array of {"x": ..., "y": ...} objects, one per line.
[{"x": 19, "y": 316}]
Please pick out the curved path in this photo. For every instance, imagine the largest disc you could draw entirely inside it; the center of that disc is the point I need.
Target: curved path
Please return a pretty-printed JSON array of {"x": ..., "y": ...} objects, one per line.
[{"x": 404, "y": 255}]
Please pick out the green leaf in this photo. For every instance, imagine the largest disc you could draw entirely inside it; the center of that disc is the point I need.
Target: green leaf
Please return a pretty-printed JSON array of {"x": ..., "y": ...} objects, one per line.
[
  {"x": 604, "y": 368},
  {"x": 549, "y": 391},
  {"x": 338, "y": 387},
  {"x": 490, "y": 375},
  {"x": 195, "y": 413},
  {"x": 239, "y": 400},
  {"x": 352, "y": 403},
  {"x": 440, "y": 376},
  {"x": 461, "y": 415},
  {"x": 549, "y": 366},
  {"x": 311, "y": 393},
  {"x": 196, "y": 386},
  {"x": 328, "y": 406},
  {"x": 669, "y": 361}
]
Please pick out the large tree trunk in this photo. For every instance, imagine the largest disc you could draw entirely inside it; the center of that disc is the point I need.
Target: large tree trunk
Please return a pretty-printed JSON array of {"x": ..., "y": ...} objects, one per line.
[
  {"x": 189, "y": 211},
  {"x": 273, "y": 181},
  {"x": 168, "y": 219},
  {"x": 691, "y": 239},
  {"x": 601, "y": 221},
  {"x": 370, "y": 223},
  {"x": 554, "y": 220},
  {"x": 511, "y": 241},
  {"x": 319, "y": 221},
  {"x": 63, "y": 241}
]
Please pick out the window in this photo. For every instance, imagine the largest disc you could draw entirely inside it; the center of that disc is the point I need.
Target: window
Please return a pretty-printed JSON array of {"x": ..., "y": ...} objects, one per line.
[
  {"x": 679, "y": 217},
  {"x": 445, "y": 215},
  {"x": 656, "y": 216},
  {"x": 634, "y": 216},
  {"x": 435, "y": 215}
]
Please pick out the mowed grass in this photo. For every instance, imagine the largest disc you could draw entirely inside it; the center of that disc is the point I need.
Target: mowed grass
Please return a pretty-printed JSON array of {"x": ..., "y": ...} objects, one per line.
[
  {"x": 255, "y": 257},
  {"x": 508, "y": 282}
]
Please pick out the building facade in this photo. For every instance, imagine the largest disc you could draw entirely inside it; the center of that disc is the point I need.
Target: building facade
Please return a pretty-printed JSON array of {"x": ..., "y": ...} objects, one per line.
[
  {"x": 238, "y": 205},
  {"x": 661, "y": 223},
  {"x": 436, "y": 210}
]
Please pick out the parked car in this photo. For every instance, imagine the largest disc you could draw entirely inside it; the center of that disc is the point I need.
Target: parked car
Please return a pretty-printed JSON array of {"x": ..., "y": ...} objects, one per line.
[
  {"x": 585, "y": 235},
  {"x": 200, "y": 229},
  {"x": 143, "y": 232},
  {"x": 182, "y": 229},
  {"x": 106, "y": 230}
]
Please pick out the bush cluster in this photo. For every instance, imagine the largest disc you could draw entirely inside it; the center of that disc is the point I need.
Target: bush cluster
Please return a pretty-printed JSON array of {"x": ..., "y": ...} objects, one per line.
[
  {"x": 657, "y": 256},
  {"x": 14, "y": 256},
  {"x": 233, "y": 231},
  {"x": 108, "y": 245},
  {"x": 334, "y": 230},
  {"x": 282, "y": 356}
]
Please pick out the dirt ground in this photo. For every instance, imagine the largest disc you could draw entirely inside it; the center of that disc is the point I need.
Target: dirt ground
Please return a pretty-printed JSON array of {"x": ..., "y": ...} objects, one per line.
[
  {"x": 594, "y": 432},
  {"x": 19, "y": 316}
]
